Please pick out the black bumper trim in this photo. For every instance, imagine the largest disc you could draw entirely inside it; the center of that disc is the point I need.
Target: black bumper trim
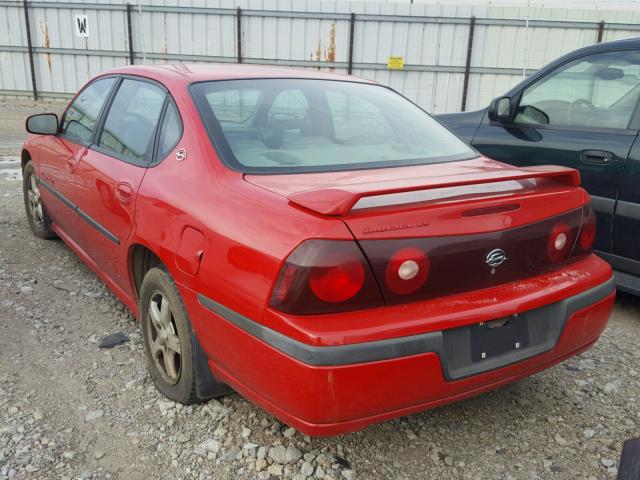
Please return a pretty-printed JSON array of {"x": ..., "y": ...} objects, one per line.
[{"x": 380, "y": 349}]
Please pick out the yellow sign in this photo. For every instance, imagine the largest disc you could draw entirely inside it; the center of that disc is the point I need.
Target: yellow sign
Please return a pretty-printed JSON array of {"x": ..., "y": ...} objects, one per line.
[{"x": 395, "y": 63}]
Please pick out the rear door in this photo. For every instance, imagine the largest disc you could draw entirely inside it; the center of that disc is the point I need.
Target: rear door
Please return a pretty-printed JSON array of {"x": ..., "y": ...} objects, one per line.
[
  {"x": 580, "y": 115},
  {"x": 109, "y": 174},
  {"x": 60, "y": 154}
]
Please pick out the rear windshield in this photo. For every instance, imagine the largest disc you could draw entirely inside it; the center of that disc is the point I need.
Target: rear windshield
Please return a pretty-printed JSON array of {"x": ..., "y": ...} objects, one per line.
[{"x": 303, "y": 125}]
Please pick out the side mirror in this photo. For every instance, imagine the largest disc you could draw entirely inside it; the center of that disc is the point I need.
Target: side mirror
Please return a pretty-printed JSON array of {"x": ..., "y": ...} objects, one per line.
[
  {"x": 500, "y": 109},
  {"x": 42, "y": 124}
]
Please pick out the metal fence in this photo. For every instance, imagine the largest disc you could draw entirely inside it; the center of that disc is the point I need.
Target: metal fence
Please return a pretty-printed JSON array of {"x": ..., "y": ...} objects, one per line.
[{"x": 444, "y": 57}]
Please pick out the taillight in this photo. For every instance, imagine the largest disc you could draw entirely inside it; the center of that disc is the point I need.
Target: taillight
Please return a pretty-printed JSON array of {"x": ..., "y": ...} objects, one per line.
[
  {"x": 407, "y": 270},
  {"x": 588, "y": 231},
  {"x": 560, "y": 242},
  {"x": 324, "y": 276}
]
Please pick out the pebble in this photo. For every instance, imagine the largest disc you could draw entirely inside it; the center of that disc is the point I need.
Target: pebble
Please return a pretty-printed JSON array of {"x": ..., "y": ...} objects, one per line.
[
  {"x": 292, "y": 455},
  {"x": 93, "y": 415},
  {"x": 276, "y": 469}
]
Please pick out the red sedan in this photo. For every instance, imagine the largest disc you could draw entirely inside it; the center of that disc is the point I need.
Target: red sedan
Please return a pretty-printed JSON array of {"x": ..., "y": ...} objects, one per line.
[{"x": 316, "y": 242}]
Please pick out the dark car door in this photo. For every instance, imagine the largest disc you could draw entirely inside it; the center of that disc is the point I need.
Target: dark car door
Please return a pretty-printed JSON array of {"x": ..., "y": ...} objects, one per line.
[
  {"x": 626, "y": 223},
  {"x": 109, "y": 174},
  {"x": 60, "y": 154},
  {"x": 582, "y": 114}
]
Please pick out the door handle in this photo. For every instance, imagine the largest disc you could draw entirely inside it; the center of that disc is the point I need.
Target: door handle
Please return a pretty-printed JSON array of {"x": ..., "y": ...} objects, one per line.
[
  {"x": 597, "y": 157},
  {"x": 124, "y": 193}
]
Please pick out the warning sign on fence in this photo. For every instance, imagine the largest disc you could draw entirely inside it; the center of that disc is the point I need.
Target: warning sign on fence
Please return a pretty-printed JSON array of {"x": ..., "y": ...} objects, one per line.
[
  {"x": 395, "y": 63},
  {"x": 81, "y": 26}
]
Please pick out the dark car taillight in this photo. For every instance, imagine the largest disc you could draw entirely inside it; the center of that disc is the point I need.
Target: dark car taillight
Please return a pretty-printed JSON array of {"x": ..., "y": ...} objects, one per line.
[{"x": 324, "y": 276}]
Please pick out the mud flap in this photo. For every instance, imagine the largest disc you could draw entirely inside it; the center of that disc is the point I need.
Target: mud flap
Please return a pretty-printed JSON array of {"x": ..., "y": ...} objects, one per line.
[
  {"x": 206, "y": 385},
  {"x": 629, "y": 466}
]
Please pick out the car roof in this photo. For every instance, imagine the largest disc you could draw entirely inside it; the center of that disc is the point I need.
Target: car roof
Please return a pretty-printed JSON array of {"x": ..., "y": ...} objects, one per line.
[
  {"x": 630, "y": 43},
  {"x": 616, "y": 45},
  {"x": 199, "y": 72}
]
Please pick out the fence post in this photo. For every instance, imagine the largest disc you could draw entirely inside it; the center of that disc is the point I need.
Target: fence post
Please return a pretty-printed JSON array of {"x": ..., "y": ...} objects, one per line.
[
  {"x": 467, "y": 67},
  {"x": 239, "y": 32},
  {"x": 352, "y": 24},
  {"x": 600, "y": 31},
  {"x": 30, "y": 50},
  {"x": 130, "y": 33}
]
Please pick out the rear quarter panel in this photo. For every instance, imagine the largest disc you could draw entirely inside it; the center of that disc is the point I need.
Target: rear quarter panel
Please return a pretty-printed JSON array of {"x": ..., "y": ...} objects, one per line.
[{"x": 248, "y": 231}]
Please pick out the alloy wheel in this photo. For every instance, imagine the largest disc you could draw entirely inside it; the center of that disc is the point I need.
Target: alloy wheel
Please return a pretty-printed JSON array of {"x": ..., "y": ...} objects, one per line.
[
  {"x": 35, "y": 201},
  {"x": 164, "y": 343}
]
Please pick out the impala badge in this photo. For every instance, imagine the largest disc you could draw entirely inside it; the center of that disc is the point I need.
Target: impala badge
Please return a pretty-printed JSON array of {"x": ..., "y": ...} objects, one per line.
[{"x": 495, "y": 258}]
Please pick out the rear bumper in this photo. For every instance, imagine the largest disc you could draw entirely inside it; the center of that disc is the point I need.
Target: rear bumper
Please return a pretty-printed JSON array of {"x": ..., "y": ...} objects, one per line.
[{"x": 327, "y": 390}]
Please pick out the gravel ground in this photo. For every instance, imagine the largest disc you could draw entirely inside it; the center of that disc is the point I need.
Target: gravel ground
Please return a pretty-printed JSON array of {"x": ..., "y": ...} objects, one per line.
[{"x": 71, "y": 410}]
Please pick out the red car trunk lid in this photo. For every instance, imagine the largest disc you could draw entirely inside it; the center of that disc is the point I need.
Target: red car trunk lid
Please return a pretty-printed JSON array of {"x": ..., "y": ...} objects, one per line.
[{"x": 439, "y": 229}]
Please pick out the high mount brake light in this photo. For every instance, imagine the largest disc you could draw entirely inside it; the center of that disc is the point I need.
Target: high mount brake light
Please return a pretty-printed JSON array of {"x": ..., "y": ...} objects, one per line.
[{"x": 325, "y": 276}]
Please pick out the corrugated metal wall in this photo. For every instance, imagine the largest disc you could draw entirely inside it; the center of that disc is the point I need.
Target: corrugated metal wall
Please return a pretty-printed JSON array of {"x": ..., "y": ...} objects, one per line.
[{"x": 508, "y": 42}]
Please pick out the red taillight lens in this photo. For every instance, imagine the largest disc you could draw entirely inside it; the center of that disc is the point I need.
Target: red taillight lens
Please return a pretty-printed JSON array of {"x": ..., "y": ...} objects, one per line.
[
  {"x": 325, "y": 276},
  {"x": 560, "y": 242},
  {"x": 407, "y": 270},
  {"x": 337, "y": 282},
  {"x": 588, "y": 231}
]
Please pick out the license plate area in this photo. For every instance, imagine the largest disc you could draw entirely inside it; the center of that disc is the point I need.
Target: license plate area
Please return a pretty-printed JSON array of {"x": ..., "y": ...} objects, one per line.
[{"x": 497, "y": 337}]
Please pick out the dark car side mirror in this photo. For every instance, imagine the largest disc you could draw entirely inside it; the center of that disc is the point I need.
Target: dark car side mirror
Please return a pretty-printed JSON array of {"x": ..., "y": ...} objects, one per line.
[
  {"x": 500, "y": 109},
  {"x": 42, "y": 124}
]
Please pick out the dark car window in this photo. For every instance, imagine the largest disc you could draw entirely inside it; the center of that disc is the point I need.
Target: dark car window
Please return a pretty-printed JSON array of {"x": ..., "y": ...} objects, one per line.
[
  {"x": 304, "y": 125},
  {"x": 132, "y": 120},
  {"x": 80, "y": 119},
  {"x": 596, "y": 91},
  {"x": 170, "y": 132}
]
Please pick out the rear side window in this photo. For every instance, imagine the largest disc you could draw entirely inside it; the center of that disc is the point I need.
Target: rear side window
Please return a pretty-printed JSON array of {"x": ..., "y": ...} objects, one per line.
[
  {"x": 132, "y": 120},
  {"x": 80, "y": 119},
  {"x": 170, "y": 132}
]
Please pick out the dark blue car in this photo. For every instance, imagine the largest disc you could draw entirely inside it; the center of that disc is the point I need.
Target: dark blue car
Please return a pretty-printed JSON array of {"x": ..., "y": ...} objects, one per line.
[{"x": 580, "y": 111}]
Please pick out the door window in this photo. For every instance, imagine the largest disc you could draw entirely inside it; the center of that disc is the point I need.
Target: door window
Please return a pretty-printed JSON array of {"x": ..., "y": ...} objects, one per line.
[
  {"x": 80, "y": 119},
  {"x": 597, "y": 91},
  {"x": 132, "y": 120}
]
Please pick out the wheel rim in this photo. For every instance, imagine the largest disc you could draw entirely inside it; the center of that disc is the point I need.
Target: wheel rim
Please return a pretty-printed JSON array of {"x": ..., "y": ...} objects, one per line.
[
  {"x": 35, "y": 202},
  {"x": 164, "y": 343}
]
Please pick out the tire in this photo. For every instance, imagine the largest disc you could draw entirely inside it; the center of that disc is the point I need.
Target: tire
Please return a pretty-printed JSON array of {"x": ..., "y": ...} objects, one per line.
[
  {"x": 182, "y": 376},
  {"x": 39, "y": 220}
]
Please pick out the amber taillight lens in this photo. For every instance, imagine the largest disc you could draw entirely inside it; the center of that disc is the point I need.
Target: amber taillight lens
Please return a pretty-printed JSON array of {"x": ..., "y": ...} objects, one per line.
[{"x": 325, "y": 276}]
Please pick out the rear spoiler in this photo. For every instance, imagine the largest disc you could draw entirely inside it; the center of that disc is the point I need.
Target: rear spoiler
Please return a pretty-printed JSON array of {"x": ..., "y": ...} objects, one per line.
[{"x": 339, "y": 201}]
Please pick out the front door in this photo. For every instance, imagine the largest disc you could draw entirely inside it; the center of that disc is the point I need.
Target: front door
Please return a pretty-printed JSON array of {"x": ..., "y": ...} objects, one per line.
[
  {"x": 581, "y": 115},
  {"x": 60, "y": 154},
  {"x": 110, "y": 173}
]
